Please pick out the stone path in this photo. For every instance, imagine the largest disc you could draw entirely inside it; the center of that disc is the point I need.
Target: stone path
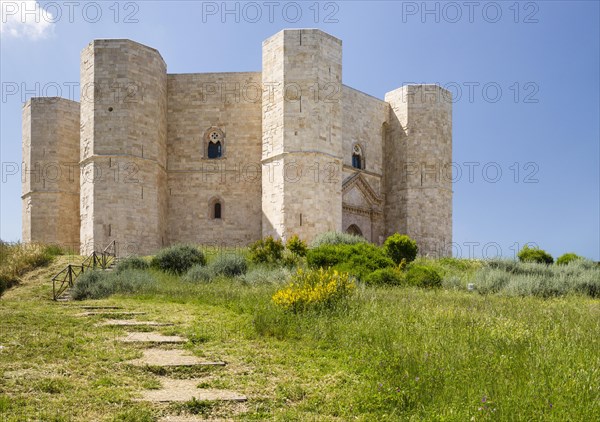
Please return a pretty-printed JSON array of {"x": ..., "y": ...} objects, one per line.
[
  {"x": 133, "y": 323},
  {"x": 91, "y": 308},
  {"x": 175, "y": 390},
  {"x": 150, "y": 338},
  {"x": 109, "y": 314},
  {"x": 172, "y": 390},
  {"x": 181, "y": 419},
  {"x": 172, "y": 357}
]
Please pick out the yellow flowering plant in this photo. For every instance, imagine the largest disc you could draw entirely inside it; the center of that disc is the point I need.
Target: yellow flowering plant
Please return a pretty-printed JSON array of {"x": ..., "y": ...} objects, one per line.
[{"x": 313, "y": 288}]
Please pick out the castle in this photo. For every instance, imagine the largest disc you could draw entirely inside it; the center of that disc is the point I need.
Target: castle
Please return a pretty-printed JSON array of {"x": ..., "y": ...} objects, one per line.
[{"x": 150, "y": 159}]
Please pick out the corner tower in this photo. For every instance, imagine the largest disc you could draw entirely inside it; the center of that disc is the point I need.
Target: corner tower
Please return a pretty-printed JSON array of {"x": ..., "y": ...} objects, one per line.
[
  {"x": 50, "y": 177},
  {"x": 123, "y": 146},
  {"x": 417, "y": 163},
  {"x": 302, "y": 142}
]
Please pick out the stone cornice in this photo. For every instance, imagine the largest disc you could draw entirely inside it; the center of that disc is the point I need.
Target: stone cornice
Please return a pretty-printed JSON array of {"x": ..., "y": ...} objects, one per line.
[{"x": 359, "y": 181}]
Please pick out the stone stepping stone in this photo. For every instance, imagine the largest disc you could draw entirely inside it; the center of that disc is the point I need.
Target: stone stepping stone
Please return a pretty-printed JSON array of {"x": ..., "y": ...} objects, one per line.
[
  {"x": 133, "y": 323},
  {"x": 151, "y": 338},
  {"x": 109, "y": 314},
  {"x": 175, "y": 390},
  {"x": 174, "y": 357},
  {"x": 91, "y": 308}
]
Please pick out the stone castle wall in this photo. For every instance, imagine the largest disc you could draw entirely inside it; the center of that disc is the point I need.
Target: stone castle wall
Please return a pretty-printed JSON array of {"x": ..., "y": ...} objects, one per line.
[
  {"x": 364, "y": 118},
  {"x": 231, "y": 104},
  {"x": 140, "y": 137},
  {"x": 50, "y": 178}
]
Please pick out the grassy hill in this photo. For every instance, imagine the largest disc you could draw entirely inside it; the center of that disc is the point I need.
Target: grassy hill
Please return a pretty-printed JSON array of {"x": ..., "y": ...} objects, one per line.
[{"x": 386, "y": 353}]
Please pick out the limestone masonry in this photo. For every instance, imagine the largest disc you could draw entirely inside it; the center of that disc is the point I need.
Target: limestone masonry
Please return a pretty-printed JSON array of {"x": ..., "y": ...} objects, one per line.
[{"x": 150, "y": 159}]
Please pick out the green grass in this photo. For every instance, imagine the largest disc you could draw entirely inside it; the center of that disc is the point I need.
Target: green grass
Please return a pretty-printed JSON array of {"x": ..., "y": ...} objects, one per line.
[{"x": 387, "y": 354}]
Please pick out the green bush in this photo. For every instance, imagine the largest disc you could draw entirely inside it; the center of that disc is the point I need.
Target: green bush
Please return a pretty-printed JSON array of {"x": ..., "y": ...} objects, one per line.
[
  {"x": 296, "y": 246},
  {"x": 538, "y": 255},
  {"x": 399, "y": 247},
  {"x": 91, "y": 285},
  {"x": 266, "y": 251},
  {"x": 178, "y": 259},
  {"x": 491, "y": 279},
  {"x": 336, "y": 238},
  {"x": 132, "y": 263},
  {"x": 291, "y": 260},
  {"x": 359, "y": 259},
  {"x": 229, "y": 265},
  {"x": 198, "y": 274},
  {"x": 567, "y": 258},
  {"x": 455, "y": 272},
  {"x": 423, "y": 276},
  {"x": 101, "y": 284},
  {"x": 385, "y": 276},
  {"x": 266, "y": 275},
  {"x": 533, "y": 279}
]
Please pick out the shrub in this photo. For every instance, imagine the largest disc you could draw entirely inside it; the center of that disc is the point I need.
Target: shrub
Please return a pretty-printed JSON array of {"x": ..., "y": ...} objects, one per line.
[
  {"x": 566, "y": 258},
  {"x": 314, "y": 288},
  {"x": 532, "y": 279},
  {"x": 267, "y": 250},
  {"x": 385, "y": 276},
  {"x": 101, "y": 284},
  {"x": 455, "y": 272},
  {"x": 538, "y": 255},
  {"x": 132, "y": 263},
  {"x": 358, "y": 259},
  {"x": 266, "y": 275},
  {"x": 296, "y": 246},
  {"x": 197, "y": 274},
  {"x": 291, "y": 260},
  {"x": 229, "y": 265},
  {"x": 491, "y": 279},
  {"x": 178, "y": 259},
  {"x": 399, "y": 247},
  {"x": 336, "y": 238},
  {"x": 423, "y": 276},
  {"x": 91, "y": 285}
]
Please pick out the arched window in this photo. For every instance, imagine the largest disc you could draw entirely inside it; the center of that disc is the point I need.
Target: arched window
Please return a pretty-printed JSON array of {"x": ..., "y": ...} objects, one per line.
[
  {"x": 215, "y": 208},
  {"x": 215, "y": 143},
  {"x": 358, "y": 161}
]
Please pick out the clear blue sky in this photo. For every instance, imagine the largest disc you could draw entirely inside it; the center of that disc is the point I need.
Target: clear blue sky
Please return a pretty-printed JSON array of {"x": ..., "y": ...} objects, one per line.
[{"x": 543, "y": 56}]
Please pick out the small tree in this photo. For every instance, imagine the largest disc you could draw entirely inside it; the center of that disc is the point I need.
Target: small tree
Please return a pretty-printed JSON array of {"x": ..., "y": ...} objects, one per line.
[
  {"x": 538, "y": 255},
  {"x": 296, "y": 246},
  {"x": 399, "y": 247},
  {"x": 564, "y": 259},
  {"x": 267, "y": 250}
]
